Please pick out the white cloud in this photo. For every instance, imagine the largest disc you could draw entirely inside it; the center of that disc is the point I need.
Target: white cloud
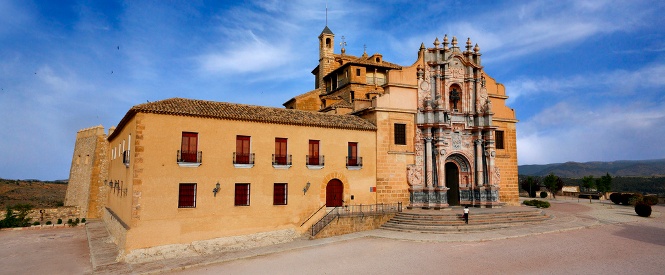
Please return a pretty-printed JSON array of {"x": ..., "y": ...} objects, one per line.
[{"x": 574, "y": 132}]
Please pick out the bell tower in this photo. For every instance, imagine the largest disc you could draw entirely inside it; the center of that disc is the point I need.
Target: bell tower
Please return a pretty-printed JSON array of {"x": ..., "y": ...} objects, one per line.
[{"x": 326, "y": 54}]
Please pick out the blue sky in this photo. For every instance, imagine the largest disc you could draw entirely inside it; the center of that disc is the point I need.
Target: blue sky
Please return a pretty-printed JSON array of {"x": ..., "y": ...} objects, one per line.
[{"x": 586, "y": 78}]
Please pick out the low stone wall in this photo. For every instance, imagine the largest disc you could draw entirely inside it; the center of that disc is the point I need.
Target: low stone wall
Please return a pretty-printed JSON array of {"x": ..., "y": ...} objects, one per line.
[
  {"x": 211, "y": 246},
  {"x": 117, "y": 229},
  {"x": 42, "y": 215},
  {"x": 345, "y": 225}
]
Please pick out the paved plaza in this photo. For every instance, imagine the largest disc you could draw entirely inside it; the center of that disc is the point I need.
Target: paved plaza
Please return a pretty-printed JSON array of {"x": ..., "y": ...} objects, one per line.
[{"x": 581, "y": 238}]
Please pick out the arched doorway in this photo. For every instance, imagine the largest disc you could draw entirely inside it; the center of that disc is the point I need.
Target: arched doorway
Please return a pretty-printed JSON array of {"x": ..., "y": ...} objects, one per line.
[
  {"x": 452, "y": 182},
  {"x": 334, "y": 193}
]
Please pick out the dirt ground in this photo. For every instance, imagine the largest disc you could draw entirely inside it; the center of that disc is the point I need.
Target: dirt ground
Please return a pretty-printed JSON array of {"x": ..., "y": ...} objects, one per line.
[
  {"x": 630, "y": 248},
  {"x": 45, "y": 251}
]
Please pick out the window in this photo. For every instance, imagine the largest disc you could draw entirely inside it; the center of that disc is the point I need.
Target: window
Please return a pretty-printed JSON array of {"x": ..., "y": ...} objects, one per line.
[
  {"x": 280, "y": 152},
  {"x": 188, "y": 149},
  {"x": 187, "y": 195},
  {"x": 242, "y": 150},
  {"x": 352, "y": 94},
  {"x": 498, "y": 137},
  {"x": 357, "y": 72},
  {"x": 352, "y": 157},
  {"x": 280, "y": 194},
  {"x": 242, "y": 194},
  {"x": 400, "y": 134},
  {"x": 313, "y": 157}
]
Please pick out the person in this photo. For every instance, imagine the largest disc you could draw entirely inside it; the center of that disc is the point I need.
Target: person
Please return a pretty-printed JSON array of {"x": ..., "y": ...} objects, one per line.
[{"x": 466, "y": 214}]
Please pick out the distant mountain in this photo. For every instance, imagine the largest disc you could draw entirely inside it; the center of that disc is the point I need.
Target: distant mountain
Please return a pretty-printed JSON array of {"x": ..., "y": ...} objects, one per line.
[{"x": 637, "y": 168}]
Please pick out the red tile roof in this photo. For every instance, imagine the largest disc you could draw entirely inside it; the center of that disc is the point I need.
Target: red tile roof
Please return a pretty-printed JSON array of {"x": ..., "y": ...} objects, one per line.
[{"x": 242, "y": 112}]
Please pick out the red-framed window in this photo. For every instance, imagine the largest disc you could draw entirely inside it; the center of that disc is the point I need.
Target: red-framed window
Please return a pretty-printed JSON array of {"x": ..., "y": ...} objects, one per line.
[
  {"x": 280, "y": 151},
  {"x": 187, "y": 195},
  {"x": 242, "y": 194},
  {"x": 242, "y": 149},
  {"x": 188, "y": 147},
  {"x": 353, "y": 154},
  {"x": 280, "y": 194},
  {"x": 313, "y": 157}
]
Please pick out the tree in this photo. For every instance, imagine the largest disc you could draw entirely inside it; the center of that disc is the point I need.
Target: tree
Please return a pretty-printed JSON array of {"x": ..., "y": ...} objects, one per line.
[
  {"x": 531, "y": 185},
  {"x": 553, "y": 184},
  {"x": 16, "y": 220},
  {"x": 604, "y": 184},
  {"x": 588, "y": 183}
]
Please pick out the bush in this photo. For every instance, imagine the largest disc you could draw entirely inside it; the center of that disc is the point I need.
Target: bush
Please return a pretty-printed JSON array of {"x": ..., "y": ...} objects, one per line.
[
  {"x": 35, "y": 223},
  {"x": 543, "y": 195},
  {"x": 537, "y": 203},
  {"x": 615, "y": 198},
  {"x": 635, "y": 199},
  {"x": 642, "y": 209},
  {"x": 59, "y": 221},
  {"x": 83, "y": 220},
  {"x": 48, "y": 223},
  {"x": 650, "y": 200}
]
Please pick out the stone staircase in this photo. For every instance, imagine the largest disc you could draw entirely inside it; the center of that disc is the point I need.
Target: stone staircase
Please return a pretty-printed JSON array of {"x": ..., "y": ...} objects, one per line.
[{"x": 432, "y": 221}]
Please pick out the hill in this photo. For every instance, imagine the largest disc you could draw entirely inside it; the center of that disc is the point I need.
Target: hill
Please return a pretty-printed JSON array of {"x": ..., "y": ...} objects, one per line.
[
  {"x": 622, "y": 168},
  {"x": 37, "y": 193}
]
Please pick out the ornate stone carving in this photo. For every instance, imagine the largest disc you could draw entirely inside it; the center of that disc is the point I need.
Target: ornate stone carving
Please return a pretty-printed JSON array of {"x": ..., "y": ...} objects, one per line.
[
  {"x": 414, "y": 175},
  {"x": 457, "y": 141},
  {"x": 463, "y": 165},
  {"x": 496, "y": 177}
]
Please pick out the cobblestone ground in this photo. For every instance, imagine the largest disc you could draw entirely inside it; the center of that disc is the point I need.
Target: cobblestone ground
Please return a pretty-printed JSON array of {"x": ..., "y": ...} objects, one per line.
[
  {"x": 45, "y": 251},
  {"x": 627, "y": 248}
]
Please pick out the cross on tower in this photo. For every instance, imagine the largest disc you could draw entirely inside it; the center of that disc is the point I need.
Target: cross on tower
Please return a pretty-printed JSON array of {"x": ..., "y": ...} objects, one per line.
[{"x": 343, "y": 43}]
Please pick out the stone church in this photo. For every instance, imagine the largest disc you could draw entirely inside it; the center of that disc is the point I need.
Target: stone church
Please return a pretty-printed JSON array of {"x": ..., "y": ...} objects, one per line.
[{"x": 180, "y": 173}]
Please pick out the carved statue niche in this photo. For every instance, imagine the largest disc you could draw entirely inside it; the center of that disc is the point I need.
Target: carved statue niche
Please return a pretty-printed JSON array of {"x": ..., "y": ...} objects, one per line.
[{"x": 455, "y": 96}]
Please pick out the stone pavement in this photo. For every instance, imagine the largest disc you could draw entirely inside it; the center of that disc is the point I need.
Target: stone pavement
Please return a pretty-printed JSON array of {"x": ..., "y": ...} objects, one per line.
[{"x": 568, "y": 215}]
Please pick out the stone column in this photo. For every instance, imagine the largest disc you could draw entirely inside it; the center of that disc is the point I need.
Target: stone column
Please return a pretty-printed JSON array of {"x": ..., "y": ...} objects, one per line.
[
  {"x": 428, "y": 156},
  {"x": 479, "y": 159}
]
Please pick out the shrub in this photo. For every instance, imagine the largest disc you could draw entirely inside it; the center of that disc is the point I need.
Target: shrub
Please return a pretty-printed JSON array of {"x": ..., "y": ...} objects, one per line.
[
  {"x": 48, "y": 223},
  {"x": 650, "y": 200},
  {"x": 83, "y": 220},
  {"x": 642, "y": 209},
  {"x": 543, "y": 195},
  {"x": 537, "y": 203},
  {"x": 35, "y": 223},
  {"x": 635, "y": 199},
  {"x": 59, "y": 221},
  {"x": 625, "y": 198},
  {"x": 615, "y": 198},
  {"x": 77, "y": 221}
]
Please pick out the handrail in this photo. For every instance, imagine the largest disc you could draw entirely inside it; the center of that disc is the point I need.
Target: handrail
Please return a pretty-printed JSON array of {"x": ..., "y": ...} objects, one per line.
[
  {"x": 355, "y": 210},
  {"x": 317, "y": 211},
  {"x": 323, "y": 222}
]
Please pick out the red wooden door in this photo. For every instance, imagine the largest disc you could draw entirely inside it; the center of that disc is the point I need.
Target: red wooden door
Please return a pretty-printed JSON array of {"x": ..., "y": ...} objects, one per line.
[
  {"x": 188, "y": 146},
  {"x": 334, "y": 193}
]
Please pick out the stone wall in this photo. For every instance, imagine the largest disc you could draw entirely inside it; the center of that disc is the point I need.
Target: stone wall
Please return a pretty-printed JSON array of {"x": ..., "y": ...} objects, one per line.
[
  {"x": 51, "y": 214},
  {"x": 86, "y": 167},
  {"x": 345, "y": 225}
]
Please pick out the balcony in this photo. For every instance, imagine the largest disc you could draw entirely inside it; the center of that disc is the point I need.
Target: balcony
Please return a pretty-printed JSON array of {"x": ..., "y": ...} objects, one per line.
[
  {"x": 354, "y": 163},
  {"x": 315, "y": 162},
  {"x": 125, "y": 158},
  {"x": 243, "y": 160},
  {"x": 189, "y": 158},
  {"x": 281, "y": 161}
]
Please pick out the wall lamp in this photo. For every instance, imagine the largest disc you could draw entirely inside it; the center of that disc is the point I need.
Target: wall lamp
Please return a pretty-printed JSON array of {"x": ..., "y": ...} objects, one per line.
[
  {"x": 304, "y": 190},
  {"x": 216, "y": 189}
]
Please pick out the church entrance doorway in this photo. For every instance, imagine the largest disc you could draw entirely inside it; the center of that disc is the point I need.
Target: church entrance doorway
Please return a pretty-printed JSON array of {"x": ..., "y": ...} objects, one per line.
[
  {"x": 334, "y": 193},
  {"x": 452, "y": 182}
]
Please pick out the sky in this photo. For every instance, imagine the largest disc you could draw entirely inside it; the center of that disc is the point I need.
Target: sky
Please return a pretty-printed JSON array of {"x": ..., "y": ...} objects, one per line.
[{"x": 586, "y": 78}]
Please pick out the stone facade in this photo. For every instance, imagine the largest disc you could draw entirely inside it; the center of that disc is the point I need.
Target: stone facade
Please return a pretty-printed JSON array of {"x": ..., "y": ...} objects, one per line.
[
  {"x": 44, "y": 215},
  {"x": 349, "y": 224}
]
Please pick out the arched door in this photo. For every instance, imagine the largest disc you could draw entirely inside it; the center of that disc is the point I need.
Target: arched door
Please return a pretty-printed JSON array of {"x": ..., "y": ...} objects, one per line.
[
  {"x": 452, "y": 182},
  {"x": 334, "y": 193}
]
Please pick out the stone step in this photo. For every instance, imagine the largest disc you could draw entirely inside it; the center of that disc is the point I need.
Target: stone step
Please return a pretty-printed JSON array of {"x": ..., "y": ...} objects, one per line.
[{"x": 452, "y": 222}]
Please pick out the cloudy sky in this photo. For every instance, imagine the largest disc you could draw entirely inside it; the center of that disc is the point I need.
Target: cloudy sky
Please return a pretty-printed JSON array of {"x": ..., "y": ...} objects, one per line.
[{"x": 586, "y": 78}]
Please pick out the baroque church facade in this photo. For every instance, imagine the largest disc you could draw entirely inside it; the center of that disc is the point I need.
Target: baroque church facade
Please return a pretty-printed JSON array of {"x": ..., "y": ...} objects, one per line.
[{"x": 181, "y": 173}]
